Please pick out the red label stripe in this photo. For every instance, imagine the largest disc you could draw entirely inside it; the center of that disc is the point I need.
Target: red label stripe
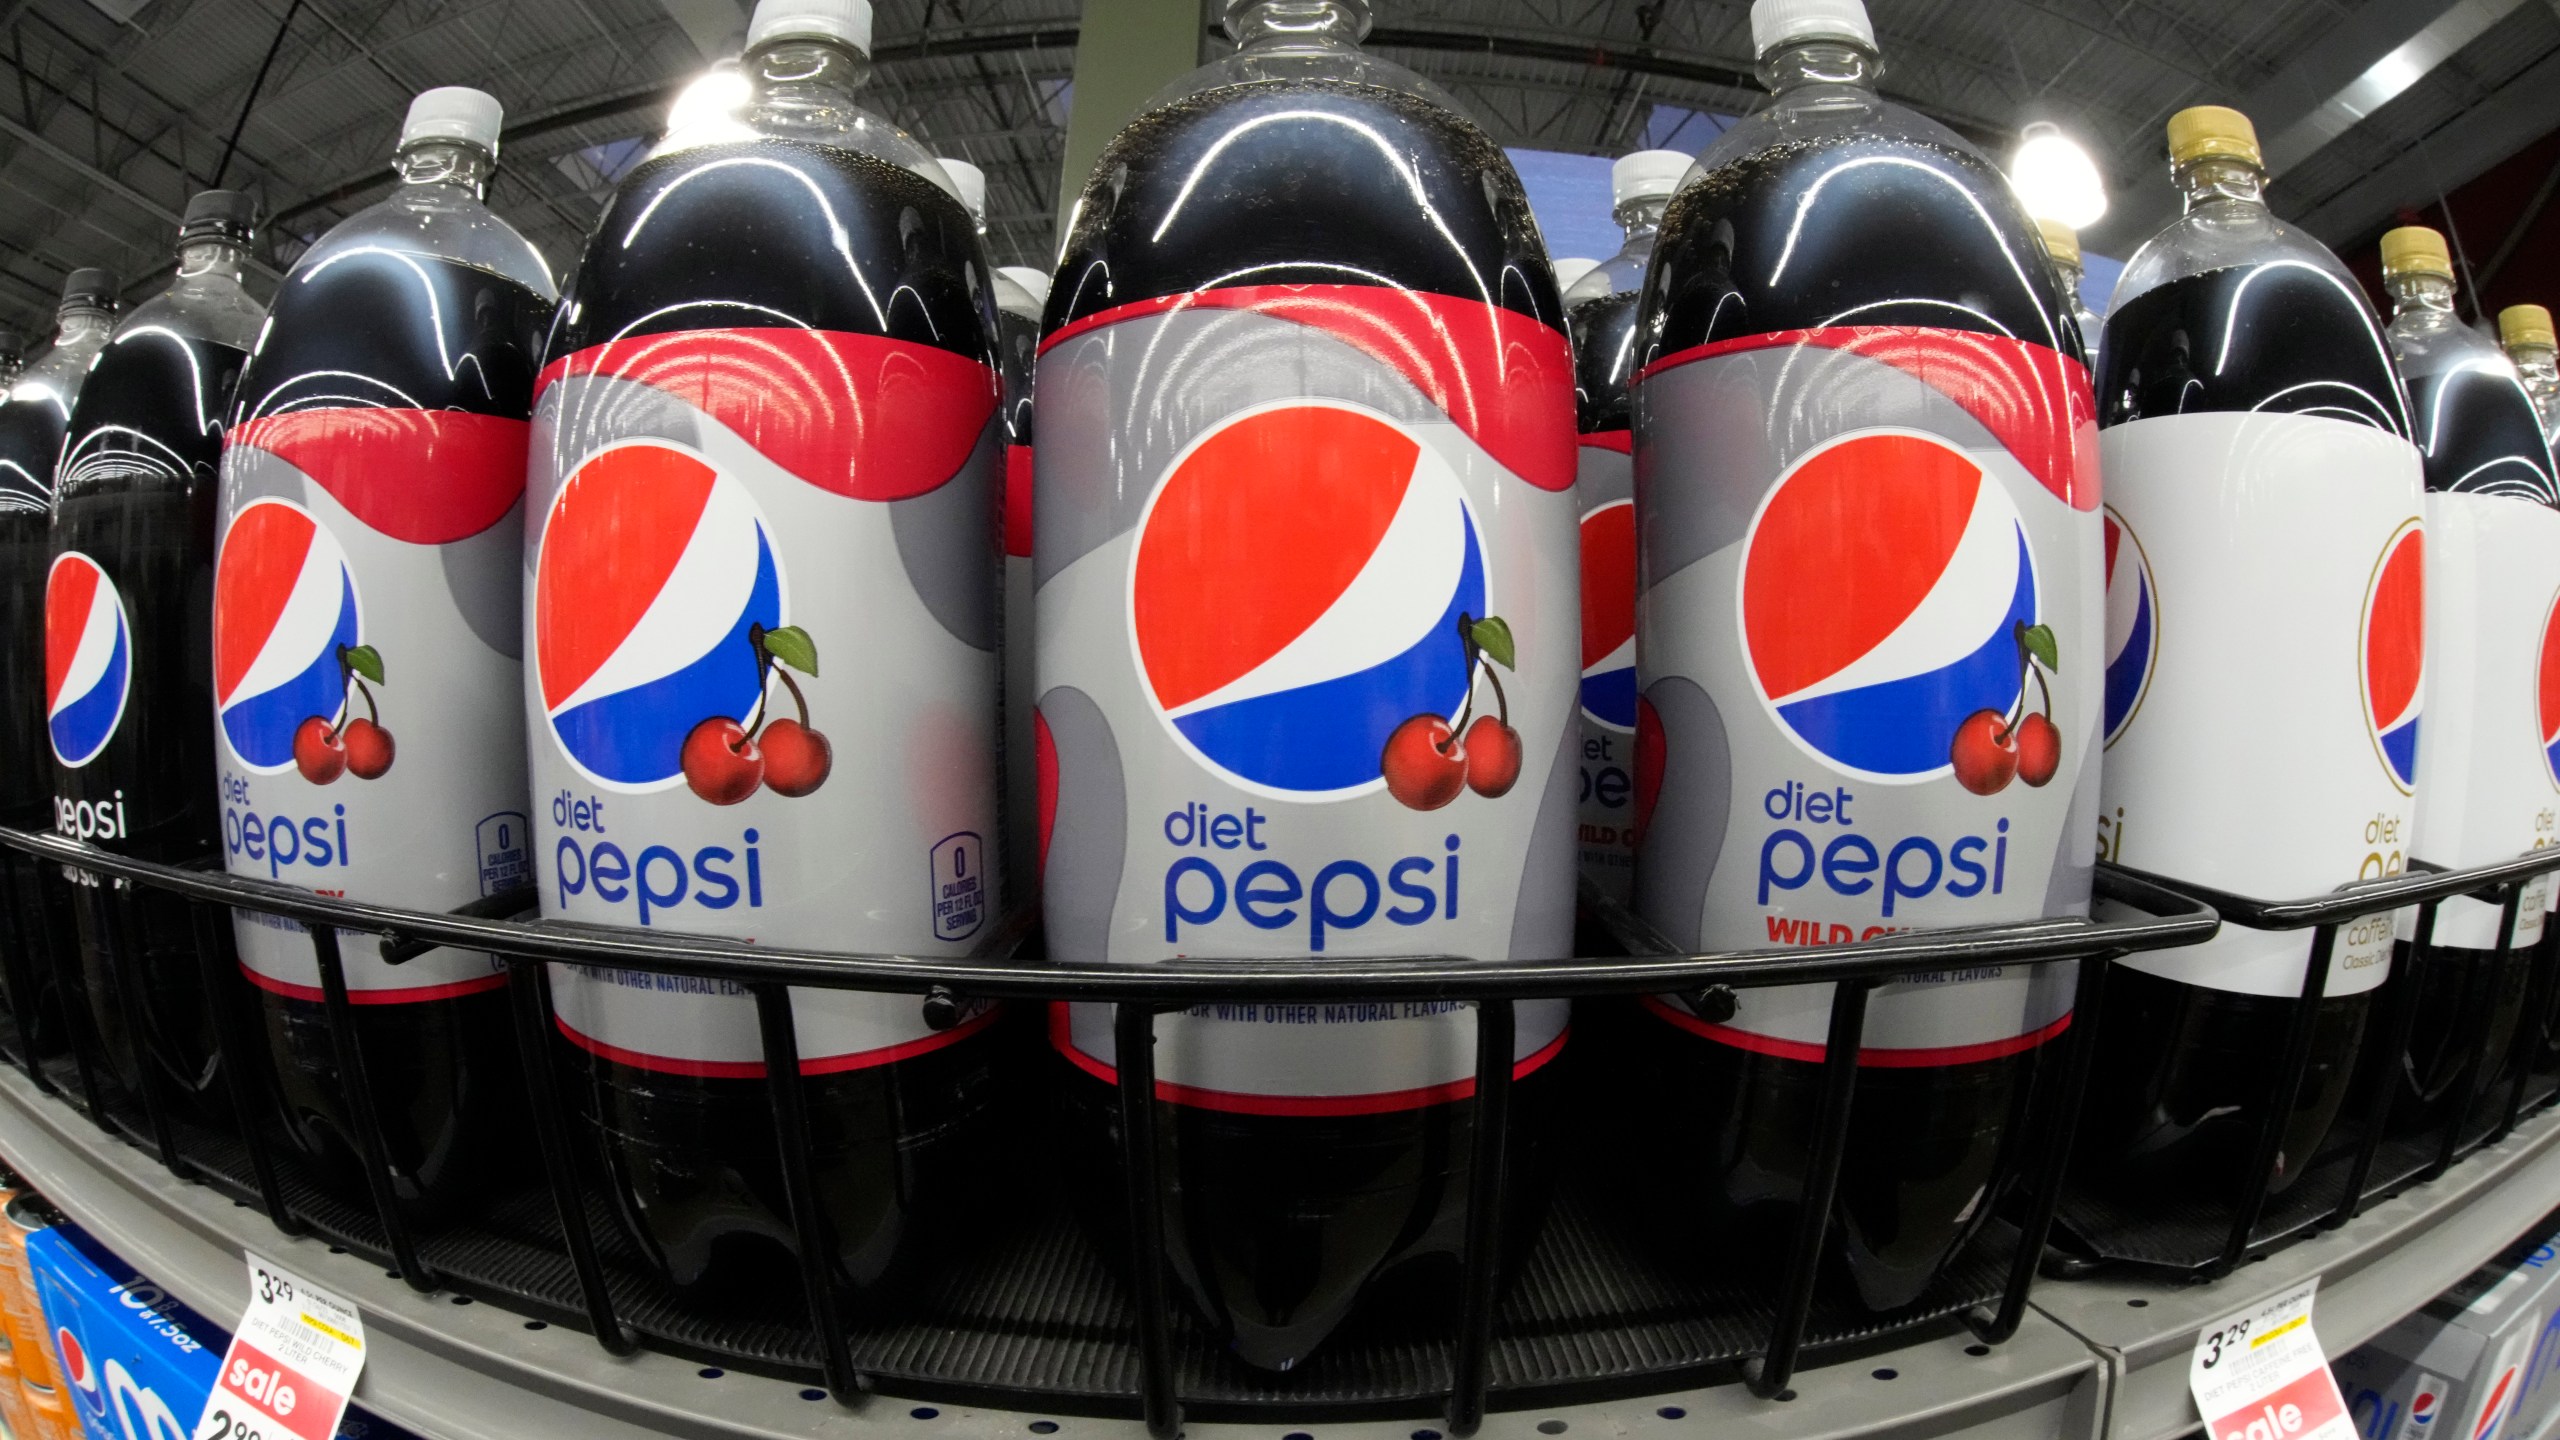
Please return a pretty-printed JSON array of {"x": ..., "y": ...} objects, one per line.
[
  {"x": 1504, "y": 378},
  {"x": 863, "y": 416},
  {"x": 429, "y": 477},
  {"x": 1017, "y": 500},
  {"x": 1062, "y": 1037},
  {"x": 754, "y": 1069},
  {"x": 2035, "y": 400},
  {"x": 406, "y": 996},
  {"x": 1918, "y": 1058},
  {"x": 1622, "y": 441}
]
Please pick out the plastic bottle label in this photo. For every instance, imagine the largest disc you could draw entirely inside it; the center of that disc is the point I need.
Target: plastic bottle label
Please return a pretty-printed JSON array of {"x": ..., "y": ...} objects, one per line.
[
  {"x": 365, "y": 679},
  {"x": 2265, "y": 603},
  {"x": 1869, "y": 680},
  {"x": 1255, "y": 573},
  {"x": 2493, "y": 694},
  {"x": 1607, "y": 484},
  {"x": 761, "y": 674}
]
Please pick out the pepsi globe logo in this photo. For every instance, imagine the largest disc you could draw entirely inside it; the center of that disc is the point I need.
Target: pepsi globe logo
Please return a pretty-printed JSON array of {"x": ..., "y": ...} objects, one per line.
[
  {"x": 289, "y": 658},
  {"x": 1609, "y": 615},
  {"x": 2392, "y": 654},
  {"x": 658, "y": 631},
  {"x": 2422, "y": 1410},
  {"x": 1888, "y": 613},
  {"x": 1309, "y": 609},
  {"x": 2501, "y": 1404},
  {"x": 2547, "y": 692},
  {"x": 76, "y": 1368},
  {"x": 2133, "y": 624},
  {"x": 88, "y": 658}
]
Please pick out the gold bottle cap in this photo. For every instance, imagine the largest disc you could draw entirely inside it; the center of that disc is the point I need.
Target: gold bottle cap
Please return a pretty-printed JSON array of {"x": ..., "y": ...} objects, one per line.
[
  {"x": 2202, "y": 130},
  {"x": 2526, "y": 325},
  {"x": 2060, "y": 241},
  {"x": 2415, "y": 250}
]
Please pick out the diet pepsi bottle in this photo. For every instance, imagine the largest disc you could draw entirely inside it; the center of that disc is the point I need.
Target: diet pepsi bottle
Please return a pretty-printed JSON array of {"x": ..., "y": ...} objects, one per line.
[
  {"x": 761, "y": 611},
  {"x": 365, "y": 630},
  {"x": 13, "y": 359},
  {"x": 128, "y": 636},
  {"x": 34, "y": 417},
  {"x": 2525, "y": 332},
  {"x": 1019, "y": 295},
  {"x": 2492, "y": 650},
  {"x": 1307, "y": 639},
  {"x": 1600, "y": 316},
  {"x": 2263, "y": 559},
  {"x": 1868, "y": 547},
  {"x": 2062, "y": 243}
]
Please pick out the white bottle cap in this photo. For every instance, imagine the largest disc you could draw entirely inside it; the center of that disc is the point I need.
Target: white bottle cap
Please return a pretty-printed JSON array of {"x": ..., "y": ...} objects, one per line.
[
  {"x": 972, "y": 184},
  {"x": 848, "y": 21},
  {"x": 1646, "y": 174},
  {"x": 454, "y": 112},
  {"x": 1781, "y": 22},
  {"x": 1572, "y": 268},
  {"x": 1034, "y": 281}
]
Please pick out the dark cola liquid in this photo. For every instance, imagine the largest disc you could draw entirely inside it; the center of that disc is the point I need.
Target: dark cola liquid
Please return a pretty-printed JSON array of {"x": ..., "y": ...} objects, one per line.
[
  {"x": 137, "y": 492},
  {"x": 383, "y": 331},
  {"x": 2183, "y": 1072},
  {"x": 1280, "y": 1225},
  {"x": 902, "y": 1151},
  {"x": 1604, "y": 349},
  {"x": 41, "y": 924},
  {"x": 1932, "y": 1149}
]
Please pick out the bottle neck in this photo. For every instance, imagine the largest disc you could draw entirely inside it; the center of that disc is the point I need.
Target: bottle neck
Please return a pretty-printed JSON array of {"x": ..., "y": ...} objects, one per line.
[
  {"x": 1271, "y": 24},
  {"x": 1819, "y": 62},
  {"x": 81, "y": 323},
  {"x": 2218, "y": 179},
  {"x": 210, "y": 256},
  {"x": 453, "y": 163},
  {"x": 2420, "y": 295},
  {"x": 2070, "y": 276},
  {"x": 1642, "y": 218},
  {"x": 805, "y": 83}
]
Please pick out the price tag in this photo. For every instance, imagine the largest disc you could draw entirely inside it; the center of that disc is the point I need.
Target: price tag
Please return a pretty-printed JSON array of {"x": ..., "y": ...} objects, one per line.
[
  {"x": 291, "y": 1366},
  {"x": 2259, "y": 1375}
]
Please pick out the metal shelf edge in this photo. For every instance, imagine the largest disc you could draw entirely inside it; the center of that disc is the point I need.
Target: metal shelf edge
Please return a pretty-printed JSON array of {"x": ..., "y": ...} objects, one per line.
[
  {"x": 2386, "y": 1263},
  {"x": 473, "y": 1372}
]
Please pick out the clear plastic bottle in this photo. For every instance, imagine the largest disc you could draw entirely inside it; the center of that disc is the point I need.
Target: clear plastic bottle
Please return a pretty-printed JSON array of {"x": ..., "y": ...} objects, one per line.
[
  {"x": 1855, "y": 362},
  {"x": 2525, "y": 330},
  {"x": 128, "y": 637},
  {"x": 1305, "y": 404},
  {"x": 775, "y": 376},
  {"x": 34, "y": 416},
  {"x": 2493, "y": 568},
  {"x": 366, "y": 629},
  {"x": 2259, "y": 470},
  {"x": 2063, "y": 244},
  {"x": 1600, "y": 316}
]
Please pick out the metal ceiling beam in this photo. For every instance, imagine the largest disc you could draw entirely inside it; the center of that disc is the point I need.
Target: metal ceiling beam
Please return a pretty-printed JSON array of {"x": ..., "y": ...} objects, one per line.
[
  {"x": 2524, "y": 109},
  {"x": 2371, "y": 55},
  {"x": 109, "y": 183}
]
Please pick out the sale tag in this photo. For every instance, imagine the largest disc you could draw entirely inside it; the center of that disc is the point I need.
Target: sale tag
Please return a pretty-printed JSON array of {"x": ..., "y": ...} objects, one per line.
[
  {"x": 2259, "y": 1375},
  {"x": 291, "y": 1366}
]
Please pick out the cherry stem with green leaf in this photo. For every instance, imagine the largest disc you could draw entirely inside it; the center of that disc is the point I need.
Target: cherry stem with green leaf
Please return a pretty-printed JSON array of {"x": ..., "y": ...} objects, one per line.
[
  {"x": 347, "y": 676},
  {"x": 2018, "y": 634},
  {"x": 769, "y": 666}
]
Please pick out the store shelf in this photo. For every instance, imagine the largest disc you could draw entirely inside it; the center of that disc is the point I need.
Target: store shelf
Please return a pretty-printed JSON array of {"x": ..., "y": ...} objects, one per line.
[
  {"x": 475, "y": 1372},
  {"x": 2385, "y": 1264}
]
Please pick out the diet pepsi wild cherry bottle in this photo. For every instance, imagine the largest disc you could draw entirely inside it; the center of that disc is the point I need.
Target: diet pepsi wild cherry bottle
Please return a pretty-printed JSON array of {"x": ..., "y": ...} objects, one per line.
[
  {"x": 2524, "y": 331},
  {"x": 1600, "y": 316},
  {"x": 127, "y": 645},
  {"x": 2492, "y": 652},
  {"x": 1867, "y": 627},
  {"x": 35, "y": 413},
  {"x": 761, "y": 608},
  {"x": 1307, "y": 648},
  {"x": 2062, "y": 243},
  {"x": 2264, "y": 559},
  {"x": 365, "y": 648}
]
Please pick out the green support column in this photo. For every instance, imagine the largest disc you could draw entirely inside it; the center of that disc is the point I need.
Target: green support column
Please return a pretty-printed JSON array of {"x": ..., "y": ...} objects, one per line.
[{"x": 1126, "y": 50}]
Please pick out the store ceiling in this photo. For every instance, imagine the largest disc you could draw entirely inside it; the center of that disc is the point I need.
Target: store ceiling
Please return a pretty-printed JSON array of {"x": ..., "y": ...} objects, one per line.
[{"x": 118, "y": 109}]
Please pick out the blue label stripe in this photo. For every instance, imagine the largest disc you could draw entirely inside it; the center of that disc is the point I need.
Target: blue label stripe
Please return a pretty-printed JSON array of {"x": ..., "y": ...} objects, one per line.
[
  {"x": 82, "y": 728},
  {"x": 2127, "y": 671}
]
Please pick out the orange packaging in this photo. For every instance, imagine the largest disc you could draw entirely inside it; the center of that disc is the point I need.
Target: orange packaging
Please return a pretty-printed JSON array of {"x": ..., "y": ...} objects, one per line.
[
  {"x": 48, "y": 1418},
  {"x": 23, "y": 1214}
]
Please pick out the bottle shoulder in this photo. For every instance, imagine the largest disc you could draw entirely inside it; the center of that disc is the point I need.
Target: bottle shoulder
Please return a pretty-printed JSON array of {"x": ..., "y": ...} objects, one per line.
[
  {"x": 2221, "y": 235},
  {"x": 213, "y": 309},
  {"x": 436, "y": 222}
]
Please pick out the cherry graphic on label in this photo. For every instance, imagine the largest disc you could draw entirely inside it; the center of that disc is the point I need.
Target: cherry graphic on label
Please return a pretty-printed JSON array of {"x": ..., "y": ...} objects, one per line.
[
  {"x": 1426, "y": 763},
  {"x": 796, "y": 758},
  {"x": 369, "y": 749},
  {"x": 722, "y": 762},
  {"x": 726, "y": 760},
  {"x": 318, "y": 752},
  {"x": 1493, "y": 757},
  {"x": 1990, "y": 748}
]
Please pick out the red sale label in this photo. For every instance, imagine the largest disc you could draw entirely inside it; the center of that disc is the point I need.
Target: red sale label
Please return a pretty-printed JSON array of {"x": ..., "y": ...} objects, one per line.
[
  {"x": 293, "y": 1362},
  {"x": 2259, "y": 1374}
]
